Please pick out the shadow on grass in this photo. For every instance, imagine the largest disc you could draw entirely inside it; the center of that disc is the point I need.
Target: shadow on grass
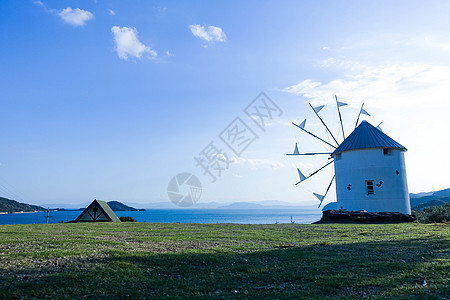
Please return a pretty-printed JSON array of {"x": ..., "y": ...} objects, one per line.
[{"x": 395, "y": 269}]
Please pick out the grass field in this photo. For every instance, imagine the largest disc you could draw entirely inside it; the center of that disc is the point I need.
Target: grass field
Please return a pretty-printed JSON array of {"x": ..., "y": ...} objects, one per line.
[{"x": 147, "y": 261}]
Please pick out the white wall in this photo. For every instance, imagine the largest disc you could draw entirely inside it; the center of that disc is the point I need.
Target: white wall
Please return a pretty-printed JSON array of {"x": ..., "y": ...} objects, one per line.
[{"x": 357, "y": 166}]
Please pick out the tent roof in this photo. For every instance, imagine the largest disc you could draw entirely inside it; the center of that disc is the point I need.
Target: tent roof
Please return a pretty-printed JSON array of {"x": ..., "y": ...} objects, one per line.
[
  {"x": 104, "y": 207},
  {"x": 367, "y": 136}
]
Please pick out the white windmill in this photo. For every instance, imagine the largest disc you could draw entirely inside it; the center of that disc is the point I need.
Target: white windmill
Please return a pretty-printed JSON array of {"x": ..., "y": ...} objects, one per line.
[{"x": 369, "y": 167}]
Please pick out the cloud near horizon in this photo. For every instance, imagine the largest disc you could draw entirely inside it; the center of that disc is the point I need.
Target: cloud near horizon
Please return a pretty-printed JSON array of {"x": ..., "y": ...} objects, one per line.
[
  {"x": 382, "y": 86},
  {"x": 257, "y": 163},
  {"x": 128, "y": 44}
]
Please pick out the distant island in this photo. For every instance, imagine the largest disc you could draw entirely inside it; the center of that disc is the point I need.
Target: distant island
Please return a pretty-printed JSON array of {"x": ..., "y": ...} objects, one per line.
[
  {"x": 118, "y": 206},
  {"x": 12, "y": 206}
]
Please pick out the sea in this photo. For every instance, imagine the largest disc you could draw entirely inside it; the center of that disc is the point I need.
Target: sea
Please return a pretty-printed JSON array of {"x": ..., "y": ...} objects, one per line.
[{"x": 212, "y": 216}]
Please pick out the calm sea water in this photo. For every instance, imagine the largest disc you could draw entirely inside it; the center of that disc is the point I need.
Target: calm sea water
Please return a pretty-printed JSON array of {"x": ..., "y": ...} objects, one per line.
[{"x": 238, "y": 216}]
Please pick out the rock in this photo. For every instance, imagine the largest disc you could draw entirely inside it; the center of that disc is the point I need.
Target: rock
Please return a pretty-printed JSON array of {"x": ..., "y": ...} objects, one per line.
[{"x": 343, "y": 216}]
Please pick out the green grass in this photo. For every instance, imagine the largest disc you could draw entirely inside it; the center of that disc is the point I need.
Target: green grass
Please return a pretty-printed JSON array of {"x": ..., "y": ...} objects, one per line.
[{"x": 144, "y": 260}]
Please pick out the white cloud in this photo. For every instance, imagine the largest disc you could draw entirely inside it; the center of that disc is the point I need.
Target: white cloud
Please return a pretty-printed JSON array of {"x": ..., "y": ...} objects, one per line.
[
  {"x": 381, "y": 86},
  {"x": 111, "y": 12},
  {"x": 128, "y": 44},
  {"x": 75, "y": 17},
  {"x": 169, "y": 54},
  {"x": 210, "y": 34},
  {"x": 256, "y": 163}
]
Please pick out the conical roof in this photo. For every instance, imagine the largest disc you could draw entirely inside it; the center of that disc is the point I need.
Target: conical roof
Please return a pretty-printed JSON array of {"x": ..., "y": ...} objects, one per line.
[
  {"x": 367, "y": 136},
  {"x": 98, "y": 211}
]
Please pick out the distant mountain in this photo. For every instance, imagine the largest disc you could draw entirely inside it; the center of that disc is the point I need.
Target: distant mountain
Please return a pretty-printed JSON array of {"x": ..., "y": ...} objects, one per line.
[
  {"x": 430, "y": 203},
  {"x": 10, "y": 206},
  {"x": 242, "y": 205},
  {"x": 420, "y": 195},
  {"x": 422, "y": 200},
  {"x": 442, "y": 193},
  {"x": 118, "y": 206}
]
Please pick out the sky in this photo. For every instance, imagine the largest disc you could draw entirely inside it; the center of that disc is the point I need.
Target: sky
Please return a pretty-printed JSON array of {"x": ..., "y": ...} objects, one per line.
[{"x": 112, "y": 99}]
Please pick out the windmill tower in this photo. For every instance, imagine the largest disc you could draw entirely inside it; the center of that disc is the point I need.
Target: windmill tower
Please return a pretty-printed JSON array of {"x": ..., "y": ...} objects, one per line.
[
  {"x": 369, "y": 166},
  {"x": 370, "y": 172}
]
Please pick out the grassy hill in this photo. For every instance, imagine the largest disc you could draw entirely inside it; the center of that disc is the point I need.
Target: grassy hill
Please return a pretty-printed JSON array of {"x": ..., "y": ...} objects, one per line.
[
  {"x": 224, "y": 261},
  {"x": 10, "y": 206}
]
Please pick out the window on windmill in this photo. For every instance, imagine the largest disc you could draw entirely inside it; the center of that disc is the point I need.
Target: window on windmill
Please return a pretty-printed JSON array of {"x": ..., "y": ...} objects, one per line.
[
  {"x": 369, "y": 185},
  {"x": 387, "y": 151}
]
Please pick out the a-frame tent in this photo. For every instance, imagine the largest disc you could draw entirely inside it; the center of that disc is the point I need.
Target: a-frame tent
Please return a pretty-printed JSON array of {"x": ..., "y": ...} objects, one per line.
[{"x": 98, "y": 211}]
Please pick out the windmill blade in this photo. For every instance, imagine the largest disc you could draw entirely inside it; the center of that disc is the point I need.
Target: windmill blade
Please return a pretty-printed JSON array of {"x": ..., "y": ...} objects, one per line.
[
  {"x": 312, "y": 134},
  {"x": 320, "y": 197},
  {"x": 302, "y": 124},
  {"x": 313, "y": 173},
  {"x": 339, "y": 104},
  {"x": 378, "y": 126},
  {"x": 314, "y": 109},
  {"x": 318, "y": 108},
  {"x": 295, "y": 150},
  {"x": 312, "y": 153},
  {"x": 300, "y": 174},
  {"x": 328, "y": 188},
  {"x": 362, "y": 111}
]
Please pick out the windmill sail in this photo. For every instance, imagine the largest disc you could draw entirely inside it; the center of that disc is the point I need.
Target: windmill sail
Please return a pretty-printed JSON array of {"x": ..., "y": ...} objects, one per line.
[
  {"x": 302, "y": 125},
  {"x": 318, "y": 108},
  {"x": 312, "y": 134},
  {"x": 296, "y": 150},
  {"x": 302, "y": 177},
  {"x": 339, "y": 104},
  {"x": 364, "y": 112},
  {"x": 320, "y": 197},
  {"x": 300, "y": 174},
  {"x": 316, "y": 111}
]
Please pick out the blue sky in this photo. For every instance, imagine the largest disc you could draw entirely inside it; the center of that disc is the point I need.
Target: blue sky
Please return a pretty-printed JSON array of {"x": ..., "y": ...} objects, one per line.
[{"x": 111, "y": 99}]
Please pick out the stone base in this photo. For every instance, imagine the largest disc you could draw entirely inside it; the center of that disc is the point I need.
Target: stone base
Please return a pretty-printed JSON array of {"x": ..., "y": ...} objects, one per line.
[{"x": 343, "y": 216}]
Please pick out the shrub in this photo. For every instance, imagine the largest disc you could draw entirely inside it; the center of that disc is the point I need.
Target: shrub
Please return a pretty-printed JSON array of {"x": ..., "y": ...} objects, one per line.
[
  {"x": 434, "y": 214},
  {"x": 127, "y": 219}
]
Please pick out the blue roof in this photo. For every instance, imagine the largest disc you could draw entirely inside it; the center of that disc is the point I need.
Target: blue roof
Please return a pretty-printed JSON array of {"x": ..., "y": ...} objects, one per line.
[{"x": 367, "y": 136}]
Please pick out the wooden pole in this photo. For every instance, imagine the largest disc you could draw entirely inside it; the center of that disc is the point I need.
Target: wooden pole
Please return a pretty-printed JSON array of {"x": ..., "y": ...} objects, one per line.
[
  {"x": 314, "y": 173},
  {"x": 312, "y": 134},
  {"x": 324, "y": 124},
  {"x": 340, "y": 118},
  {"x": 359, "y": 115}
]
